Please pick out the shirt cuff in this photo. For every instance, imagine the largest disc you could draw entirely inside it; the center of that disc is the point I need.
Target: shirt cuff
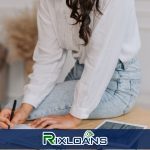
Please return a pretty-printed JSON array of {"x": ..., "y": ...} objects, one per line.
[
  {"x": 32, "y": 100},
  {"x": 80, "y": 113}
]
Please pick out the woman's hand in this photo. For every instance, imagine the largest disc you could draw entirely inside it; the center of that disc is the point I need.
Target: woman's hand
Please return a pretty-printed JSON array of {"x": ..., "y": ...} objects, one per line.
[
  {"x": 22, "y": 114},
  {"x": 56, "y": 122},
  {"x": 4, "y": 118}
]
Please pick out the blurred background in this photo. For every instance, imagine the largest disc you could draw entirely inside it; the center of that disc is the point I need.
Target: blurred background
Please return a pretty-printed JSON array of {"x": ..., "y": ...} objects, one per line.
[{"x": 18, "y": 36}]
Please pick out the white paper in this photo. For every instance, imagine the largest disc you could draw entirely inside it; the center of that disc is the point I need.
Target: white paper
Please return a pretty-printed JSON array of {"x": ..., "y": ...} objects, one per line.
[{"x": 22, "y": 126}]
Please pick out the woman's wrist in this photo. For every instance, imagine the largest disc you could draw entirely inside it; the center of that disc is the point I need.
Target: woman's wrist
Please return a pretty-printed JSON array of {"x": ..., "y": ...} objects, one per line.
[
  {"x": 26, "y": 108},
  {"x": 75, "y": 118}
]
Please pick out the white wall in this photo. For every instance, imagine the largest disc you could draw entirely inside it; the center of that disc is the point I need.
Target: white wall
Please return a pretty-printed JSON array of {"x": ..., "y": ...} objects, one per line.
[
  {"x": 15, "y": 3},
  {"x": 143, "y": 12}
]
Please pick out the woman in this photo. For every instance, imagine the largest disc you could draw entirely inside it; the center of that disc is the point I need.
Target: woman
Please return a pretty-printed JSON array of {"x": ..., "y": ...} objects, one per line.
[{"x": 104, "y": 38}]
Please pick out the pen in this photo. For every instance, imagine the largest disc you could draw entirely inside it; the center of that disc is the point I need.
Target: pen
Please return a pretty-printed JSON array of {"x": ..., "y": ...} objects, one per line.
[{"x": 12, "y": 112}]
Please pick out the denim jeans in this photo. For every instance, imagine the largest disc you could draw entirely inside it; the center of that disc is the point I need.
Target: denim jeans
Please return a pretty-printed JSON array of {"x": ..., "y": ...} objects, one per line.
[{"x": 118, "y": 98}]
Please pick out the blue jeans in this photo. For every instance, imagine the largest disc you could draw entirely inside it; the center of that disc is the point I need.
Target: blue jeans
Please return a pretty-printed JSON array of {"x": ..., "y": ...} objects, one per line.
[{"x": 118, "y": 99}]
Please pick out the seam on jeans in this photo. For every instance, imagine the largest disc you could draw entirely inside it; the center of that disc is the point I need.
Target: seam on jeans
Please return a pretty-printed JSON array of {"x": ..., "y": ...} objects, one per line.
[
  {"x": 130, "y": 85},
  {"x": 126, "y": 110},
  {"x": 108, "y": 99},
  {"x": 127, "y": 106},
  {"x": 118, "y": 81},
  {"x": 125, "y": 92},
  {"x": 62, "y": 108},
  {"x": 136, "y": 89}
]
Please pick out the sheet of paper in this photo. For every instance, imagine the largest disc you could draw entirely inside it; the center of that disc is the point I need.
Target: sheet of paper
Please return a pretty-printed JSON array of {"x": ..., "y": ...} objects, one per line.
[{"x": 22, "y": 126}]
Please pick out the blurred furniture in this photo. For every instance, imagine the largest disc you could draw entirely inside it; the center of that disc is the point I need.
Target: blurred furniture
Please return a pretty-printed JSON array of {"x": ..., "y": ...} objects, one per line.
[
  {"x": 3, "y": 72},
  {"x": 3, "y": 83},
  {"x": 138, "y": 115},
  {"x": 21, "y": 37}
]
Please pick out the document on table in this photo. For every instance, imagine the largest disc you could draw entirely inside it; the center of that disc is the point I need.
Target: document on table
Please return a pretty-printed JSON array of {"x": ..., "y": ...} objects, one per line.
[{"x": 22, "y": 126}]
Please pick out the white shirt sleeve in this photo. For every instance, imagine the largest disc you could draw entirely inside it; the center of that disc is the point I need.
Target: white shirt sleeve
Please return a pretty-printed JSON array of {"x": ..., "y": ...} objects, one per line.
[
  {"x": 49, "y": 59},
  {"x": 102, "y": 57}
]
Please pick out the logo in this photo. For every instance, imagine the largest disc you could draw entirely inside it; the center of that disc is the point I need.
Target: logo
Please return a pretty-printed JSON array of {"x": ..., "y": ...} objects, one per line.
[
  {"x": 87, "y": 139},
  {"x": 48, "y": 137}
]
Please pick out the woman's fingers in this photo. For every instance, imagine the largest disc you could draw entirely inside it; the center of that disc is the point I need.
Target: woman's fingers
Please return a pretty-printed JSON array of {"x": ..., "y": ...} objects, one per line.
[
  {"x": 37, "y": 122},
  {"x": 3, "y": 125},
  {"x": 4, "y": 122},
  {"x": 5, "y": 113},
  {"x": 55, "y": 126},
  {"x": 57, "y": 122},
  {"x": 46, "y": 123},
  {"x": 42, "y": 122}
]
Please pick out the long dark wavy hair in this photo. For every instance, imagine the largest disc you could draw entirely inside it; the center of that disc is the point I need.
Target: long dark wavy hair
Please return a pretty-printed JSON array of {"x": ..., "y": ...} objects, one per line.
[{"x": 81, "y": 10}]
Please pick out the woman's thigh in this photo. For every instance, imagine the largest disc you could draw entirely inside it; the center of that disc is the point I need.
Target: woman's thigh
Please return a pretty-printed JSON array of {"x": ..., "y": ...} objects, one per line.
[
  {"x": 114, "y": 103},
  {"x": 59, "y": 102},
  {"x": 120, "y": 95}
]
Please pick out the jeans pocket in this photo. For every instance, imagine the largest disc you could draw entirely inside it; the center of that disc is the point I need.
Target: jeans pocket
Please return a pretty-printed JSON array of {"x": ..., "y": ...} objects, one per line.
[{"x": 132, "y": 65}]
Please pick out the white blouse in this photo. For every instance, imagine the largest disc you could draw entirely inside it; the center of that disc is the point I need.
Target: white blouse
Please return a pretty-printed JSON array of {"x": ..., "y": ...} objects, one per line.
[{"x": 115, "y": 35}]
